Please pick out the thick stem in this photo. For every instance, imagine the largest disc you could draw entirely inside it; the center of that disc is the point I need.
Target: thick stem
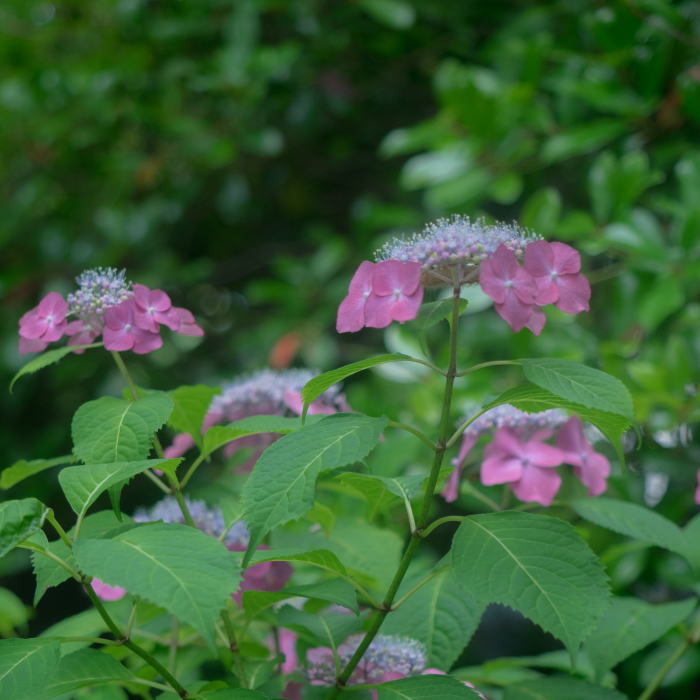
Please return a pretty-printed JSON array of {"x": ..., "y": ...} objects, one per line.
[
  {"x": 422, "y": 520},
  {"x": 233, "y": 646}
]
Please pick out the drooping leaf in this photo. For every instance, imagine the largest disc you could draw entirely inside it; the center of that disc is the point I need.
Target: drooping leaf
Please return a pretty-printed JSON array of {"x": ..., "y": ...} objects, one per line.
[
  {"x": 440, "y": 614},
  {"x": 26, "y": 667},
  {"x": 328, "y": 630},
  {"x": 634, "y": 521},
  {"x": 190, "y": 405},
  {"x": 373, "y": 491},
  {"x": 629, "y": 625},
  {"x": 337, "y": 591},
  {"x": 579, "y": 384},
  {"x": 535, "y": 564},
  {"x": 82, "y": 668},
  {"x": 558, "y": 688},
  {"x": 259, "y": 672},
  {"x": 24, "y": 469},
  {"x": 115, "y": 430},
  {"x": 83, "y": 484},
  {"x": 430, "y": 687},
  {"x": 47, "y": 358},
  {"x": 19, "y": 520},
  {"x": 532, "y": 399},
  {"x": 177, "y": 567},
  {"x": 691, "y": 532},
  {"x": 282, "y": 484},
  {"x": 316, "y": 386}
]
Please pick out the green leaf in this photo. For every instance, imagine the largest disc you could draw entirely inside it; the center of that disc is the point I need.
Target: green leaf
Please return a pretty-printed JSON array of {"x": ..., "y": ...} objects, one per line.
[
  {"x": 82, "y": 668},
  {"x": 629, "y": 625},
  {"x": 323, "y": 516},
  {"x": 692, "y": 537},
  {"x": 88, "y": 623},
  {"x": 330, "y": 630},
  {"x": 535, "y": 564},
  {"x": 179, "y": 568},
  {"x": 316, "y": 386},
  {"x": 581, "y": 139},
  {"x": 396, "y": 14},
  {"x": 558, "y": 688},
  {"x": 115, "y": 430},
  {"x": 83, "y": 484},
  {"x": 23, "y": 469},
  {"x": 19, "y": 520},
  {"x": 282, "y": 485},
  {"x": 430, "y": 687},
  {"x": 26, "y": 667},
  {"x": 321, "y": 558},
  {"x": 634, "y": 521},
  {"x": 46, "y": 359},
  {"x": 234, "y": 694},
  {"x": 190, "y": 405},
  {"x": 369, "y": 489},
  {"x": 440, "y": 614},
  {"x": 337, "y": 591},
  {"x": 435, "y": 311},
  {"x": 220, "y": 435},
  {"x": 532, "y": 399},
  {"x": 580, "y": 384},
  {"x": 13, "y": 613},
  {"x": 259, "y": 672}
]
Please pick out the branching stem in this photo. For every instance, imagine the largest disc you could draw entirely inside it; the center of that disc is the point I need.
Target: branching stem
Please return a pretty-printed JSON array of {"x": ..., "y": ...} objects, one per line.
[
  {"x": 417, "y": 433},
  {"x": 62, "y": 533},
  {"x": 437, "y": 523},
  {"x": 418, "y": 586},
  {"x": 487, "y": 364}
]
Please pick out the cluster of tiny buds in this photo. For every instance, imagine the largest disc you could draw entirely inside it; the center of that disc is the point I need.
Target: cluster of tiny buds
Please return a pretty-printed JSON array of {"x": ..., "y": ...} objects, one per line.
[
  {"x": 208, "y": 519},
  {"x": 510, "y": 417},
  {"x": 455, "y": 242},
  {"x": 99, "y": 289}
]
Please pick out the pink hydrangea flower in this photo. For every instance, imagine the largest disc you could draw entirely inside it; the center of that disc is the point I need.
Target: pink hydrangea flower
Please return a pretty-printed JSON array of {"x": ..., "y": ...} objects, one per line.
[
  {"x": 451, "y": 490},
  {"x": 187, "y": 324},
  {"x": 44, "y": 323},
  {"x": 591, "y": 467},
  {"x": 287, "y": 641},
  {"x": 556, "y": 268},
  {"x": 182, "y": 442},
  {"x": 396, "y": 293},
  {"x": 106, "y": 592},
  {"x": 152, "y": 308},
  {"x": 512, "y": 289},
  {"x": 526, "y": 466},
  {"x": 121, "y": 332},
  {"x": 80, "y": 334},
  {"x": 267, "y": 576},
  {"x": 31, "y": 345},
  {"x": 351, "y": 312}
]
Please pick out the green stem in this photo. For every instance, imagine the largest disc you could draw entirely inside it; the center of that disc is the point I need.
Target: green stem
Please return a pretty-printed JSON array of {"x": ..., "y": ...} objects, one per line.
[
  {"x": 427, "y": 364},
  {"x": 192, "y": 470},
  {"x": 488, "y": 364},
  {"x": 156, "y": 481},
  {"x": 425, "y": 510},
  {"x": 132, "y": 617},
  {"x": 656, "y": 680},
  {"x": 53, "y": 557},
  {"x": 172, "y": 656},
  {"x": 463, "y": 427},
  {"x": 62, "y": 533},
  {"x": 437, "y": 523},
  {"x": 233, "y": 646},
  {"x": 413, "y": 431},
  {"x": 417, "y": 587},
  {"x": 91, "y": 640}
]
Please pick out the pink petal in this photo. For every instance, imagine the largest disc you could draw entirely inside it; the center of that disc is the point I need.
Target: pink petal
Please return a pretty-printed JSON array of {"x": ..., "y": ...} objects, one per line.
[
  {"x": 505, "y": 443},
  {"x": 145, "y": 341},
  {"x": 170, "y": 318},
  {"x": 496, "y": 470},
  {"x": 54, "y": 331},
  {"x": 288, "y": 647},
  {"x": 181, "y": 443},
  {"x": 184, "y": 314},
  {"x": 451, "y": 490},
  {"x": 119, "y": 339},
  {"x": 567, "y": 260},
  {"x": 210, "y": 419},
  {"x": 524, "y": 286},
  {"x": 541, "y": 454},
  {"x": 31, "y": 345},
  {"x": 537, "y": 321},
  {"x": 571, "y": 437},
  {"x": 389, "y": 676},
  {"x": 593, "y": 473},
  {"x": 574, "y": 293},
  {"x": 539, "y": 258},
  {"x": 537, "y": 485},
  {"x": 54, "y": 305},
  {"x": 81, "y": 335},
  {"x": 106, "y": 592},
  {"x": 547, "y": 290},
  {"x": 28, "y": 316},
  {"x": 351, "y": 313},
  {"x": 294, "y": 402},
  {"x": 392, "y": 276},
  {"x": 516, "y": 314},
  {"x": 501, "y": 276},
  {"x": 362, "y": 279},
  {"x": 34, "y": 327},
  {"x": 159, "y": 300},
  {"x": 187, "y": 324},
  {"x": 318, "y": 655},
  {"x": 120, "y": 316},
  {"x": 406, "y": 307},
  {"x": 145, "y": 320},
  {"x": 378, "y": 310}
]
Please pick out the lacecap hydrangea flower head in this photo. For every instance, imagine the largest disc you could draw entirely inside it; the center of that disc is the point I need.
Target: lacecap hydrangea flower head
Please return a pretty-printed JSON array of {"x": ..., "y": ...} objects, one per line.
[
  {"x": 106, "y": 304},
  {"x": 456, "y": 252}
]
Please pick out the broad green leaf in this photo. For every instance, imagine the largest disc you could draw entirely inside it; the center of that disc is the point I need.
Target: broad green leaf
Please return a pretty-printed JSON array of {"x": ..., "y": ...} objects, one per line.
[
  {"x": 430, "y": 687},
  {"x": 583, "y": 138},
  {"x": 179, "y": 568},
  {"x": 323, "y": 516},
  {"x": 97, "y": 526},
  {"x": 316, "y": 386},
  {"x": 629, "y": 625},
  {"x": 115, "y": 430},
  {"x": 190, "y": 405},
  {"x": 282, "y": 485},
  {"x": 373, "y": 491},
  {"x": 219, "y": 435},
  {"x": 19, "y": 520},
  {"x": 26, "y": 667},
  {"x": 259, "y": 672},
  {"x": 532, "y": 399},
  {"x": 560, "y": 688},
  {"x": 321, "y": 558},
  {"x": 535, "y": 564},
  {"x": 88, "y": 623},
  {"x": 692, "y": 538},
  {"x": 13, "y": 613},
  {"x": 440, "y": 614},
  {"x": 396, "y": 14},
  {"x": 255, "y": 602},
  {"x": 330, "y": 630},
  {"x": 23, "y": 469},
  {"x": 435, "y": 311},
  {"x": 82, "y": 668},
  {"x": 83, "y": 484},
  {"x": 337, "y": 591},
  {"x": 47, "y": 358},
  {"x": 634, "y": 521},
  {"x": 580, "y": 384}
]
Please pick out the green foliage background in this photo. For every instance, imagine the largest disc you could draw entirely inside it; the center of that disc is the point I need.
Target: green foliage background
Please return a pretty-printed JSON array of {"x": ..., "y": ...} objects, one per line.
[{"x": 246, "y": 156}]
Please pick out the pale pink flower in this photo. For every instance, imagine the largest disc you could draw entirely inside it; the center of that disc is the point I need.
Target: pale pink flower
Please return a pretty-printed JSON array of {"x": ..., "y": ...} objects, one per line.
[
  {"x": 295, "y": 403},
  {"x": 182, "y": 442},
  {"x": 187, "y": 324},
  {"x": 451, "y": 490},
  {"x": 351, "y": 312},
  {"x": 47, "y": 321},
  {"x": 121, "y": 332},
  {"x": 80, "y": 334},
  {"x": 396, "y": 293},
  {"x": 556, "y": 268},
  {"x": 106, "y": 592},
  {"x": 152, "y": 308},
  {"x": 591, "y": 467},
  {"x": 512, "y": 289},
  {"x": 267, "y": 576},
  {"x": 31, "y": 345},
  {"x": 526, "y": 466},
  {"x": 287, "y": 641}
]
